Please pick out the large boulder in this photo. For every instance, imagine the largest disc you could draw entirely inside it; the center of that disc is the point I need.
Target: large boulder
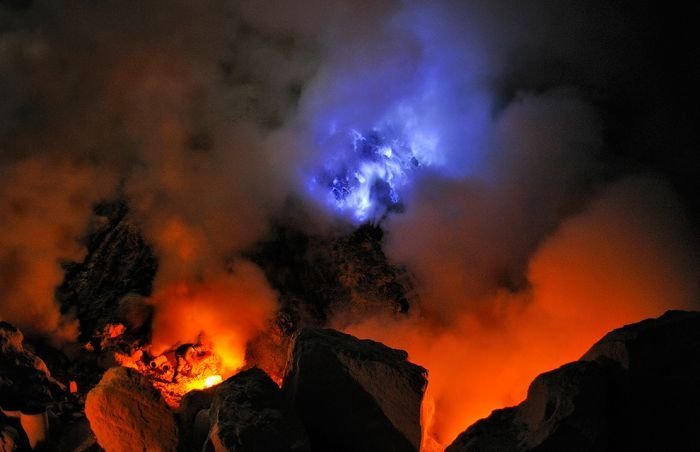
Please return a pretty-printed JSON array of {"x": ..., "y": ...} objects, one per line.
[
  {"x": 638, "y": 388},
  {"x": 193, "y": 418},
  {"x": 128, "y": 414},
  {"x": 354, "y": 395},
  {"x": 248, "y": 414}
]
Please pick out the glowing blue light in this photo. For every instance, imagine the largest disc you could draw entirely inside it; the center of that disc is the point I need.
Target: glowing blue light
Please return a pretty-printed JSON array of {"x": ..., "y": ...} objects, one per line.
[{"x": 364, "y": 173}]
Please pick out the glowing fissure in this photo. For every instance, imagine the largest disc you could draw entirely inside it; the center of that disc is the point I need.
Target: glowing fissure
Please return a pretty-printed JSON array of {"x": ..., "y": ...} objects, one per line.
[{"x": 176, "y": 372}]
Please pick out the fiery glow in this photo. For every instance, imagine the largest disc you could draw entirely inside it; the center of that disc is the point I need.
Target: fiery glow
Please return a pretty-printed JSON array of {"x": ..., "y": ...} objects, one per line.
[
  {"x": 608, "y": 267},
  {"x": 228, "y": 309},
  {"x": 179, "y": 370},
  {"x": 204, "y": 382}
]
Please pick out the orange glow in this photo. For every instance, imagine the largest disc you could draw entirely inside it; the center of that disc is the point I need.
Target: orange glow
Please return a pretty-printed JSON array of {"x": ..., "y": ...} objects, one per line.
[
  {"x": 201, "y": 329},
  {"x": 176, "y": 372},
  {"x": 204, "y": 382},
  {"x": 228, "y": 310},
  {"x": 606, "y": 268},
  {"x": 212, "y": 381}
]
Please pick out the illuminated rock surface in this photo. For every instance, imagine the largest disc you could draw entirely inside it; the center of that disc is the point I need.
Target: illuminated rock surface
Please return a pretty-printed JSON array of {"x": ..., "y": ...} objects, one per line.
[
  {"x": 127, "y": 414},
  {"x": 354, "y": 395},
  {"x": 638, "y": 388},
  {"x": 248, "y": 414}
]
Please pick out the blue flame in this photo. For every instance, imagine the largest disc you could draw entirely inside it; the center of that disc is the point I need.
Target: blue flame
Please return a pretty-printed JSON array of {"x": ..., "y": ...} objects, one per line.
[
  {"x": 365, "y": 172},
  {"x": 388, "y": 108}
]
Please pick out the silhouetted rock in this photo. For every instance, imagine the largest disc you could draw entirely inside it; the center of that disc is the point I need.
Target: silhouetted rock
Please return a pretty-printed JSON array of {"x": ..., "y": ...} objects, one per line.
[
  {"x": 127, "y": 414},
  {"x": 119, "y": 262},
  {"x": 354, "y": 395},
  {"x": 193, "y": 418},
  {"x": 322, "y": 275},
  {"x": 638, "y": 388},
  {"x": 26, "y": 386},
  {"x": 248, "y": 414},
  {"x": 9, "y": 437}
]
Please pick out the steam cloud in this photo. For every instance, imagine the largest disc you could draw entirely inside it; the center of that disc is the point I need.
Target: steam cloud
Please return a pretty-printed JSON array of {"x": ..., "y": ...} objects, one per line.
[{"x": 527, "y": 238}]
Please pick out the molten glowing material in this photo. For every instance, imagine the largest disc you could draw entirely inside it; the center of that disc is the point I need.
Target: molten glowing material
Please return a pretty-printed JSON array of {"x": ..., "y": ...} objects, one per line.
[
  {"x": 204, "y": 382},
  {"x": 212, "y": 381},
  {"x": 178, "y": 371}
]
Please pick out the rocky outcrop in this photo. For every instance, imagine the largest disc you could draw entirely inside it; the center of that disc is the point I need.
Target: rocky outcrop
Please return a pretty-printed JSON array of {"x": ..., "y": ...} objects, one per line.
[
  {"x": 9, "y": 436},
  {"x": 25, "y": 381},
  {"x": 248, "y": 414},
  {"x": 26, "y": 387},
  {"x": 318, "y": 274},
  {"x": 118, "y": 263},
  {"x": 126, "y": 414},
  {"x": 638, "y": 388},
  {"x": 354, "y": 395},
  {"x": 193, "y": 418}
]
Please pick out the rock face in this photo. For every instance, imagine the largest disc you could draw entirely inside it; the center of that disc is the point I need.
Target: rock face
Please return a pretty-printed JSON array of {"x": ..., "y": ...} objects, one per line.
[
  {"x": 638, "y": 388},
  {"x": 26, "y": 389},
  {"x": 25, "y": 382},
  {"x": 127, "y": 414},
  {"x": 354, "y": 395},
  {"x": 119, "y": 262},
  {"x": 193, "y": 418},
  {"x": 248, "y": 414},
  {"x": 9, "y": 437}
]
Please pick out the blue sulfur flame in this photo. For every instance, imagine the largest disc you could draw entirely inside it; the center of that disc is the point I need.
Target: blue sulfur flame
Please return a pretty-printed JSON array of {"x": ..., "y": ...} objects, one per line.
[
  {"x": 365, "y": 171},
  {"x": 386, "y": 108}
]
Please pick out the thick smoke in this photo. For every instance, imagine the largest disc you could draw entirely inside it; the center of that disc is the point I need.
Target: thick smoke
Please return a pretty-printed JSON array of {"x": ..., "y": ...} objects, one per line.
[
  {"x": 527, "y": 245},
  {"x": 165, "y": 104},
  {"x": 528, "y": 232},
  {"x": 44, "y": 209},
  {"x": 622, "y": 259}
]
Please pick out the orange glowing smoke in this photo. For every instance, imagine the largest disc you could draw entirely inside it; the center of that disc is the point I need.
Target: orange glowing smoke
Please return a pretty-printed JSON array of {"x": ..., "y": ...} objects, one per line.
[
  {"x": 613, "y": 265},
  {"x": 228, "y": 309}
]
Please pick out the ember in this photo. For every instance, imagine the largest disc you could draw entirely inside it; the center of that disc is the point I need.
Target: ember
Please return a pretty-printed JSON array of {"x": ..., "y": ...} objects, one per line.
[{"x": 177, "y": 371}]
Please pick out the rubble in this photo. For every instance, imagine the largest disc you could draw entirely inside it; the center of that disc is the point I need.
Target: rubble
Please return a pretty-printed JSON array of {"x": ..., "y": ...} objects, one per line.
[{"x": 27, "y": 388}]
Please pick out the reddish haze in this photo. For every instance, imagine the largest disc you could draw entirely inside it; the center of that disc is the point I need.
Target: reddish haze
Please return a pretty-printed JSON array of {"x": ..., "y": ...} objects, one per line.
[
  {"x": 44, "y": 208},
  {"x": 617, "y": 263},
  {"x": 229, "y": 309}
]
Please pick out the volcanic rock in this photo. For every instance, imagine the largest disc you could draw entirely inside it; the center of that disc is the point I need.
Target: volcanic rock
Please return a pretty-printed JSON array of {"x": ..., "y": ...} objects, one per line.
[
  {"x": 354, "y": 395},
  {"x": 119, "y": 265},
  {"x": 248, "y": 414},
  {"x": 193, "y": 418},
  {"x": 638, "y": 388},
  {"x": 9, "y": 437},
  {"x": 126, "y": 414},
  {"x": 26, "y": 386},
  {"x": 318, "y": 275}
]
